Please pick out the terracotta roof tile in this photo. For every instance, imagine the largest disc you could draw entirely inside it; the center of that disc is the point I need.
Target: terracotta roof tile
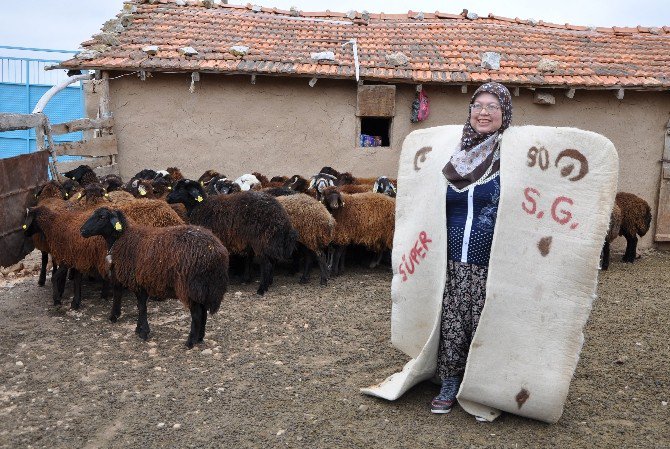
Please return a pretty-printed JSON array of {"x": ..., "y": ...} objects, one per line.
[{"x": 442, "y": 48}]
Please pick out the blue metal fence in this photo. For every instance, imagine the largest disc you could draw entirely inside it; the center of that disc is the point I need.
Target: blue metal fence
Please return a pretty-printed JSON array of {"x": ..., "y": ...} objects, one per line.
[{"x": 23, "y": 81}]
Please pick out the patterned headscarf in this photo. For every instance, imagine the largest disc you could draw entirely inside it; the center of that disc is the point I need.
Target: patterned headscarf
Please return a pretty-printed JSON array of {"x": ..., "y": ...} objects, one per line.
[{"x": 476, "y": 155}]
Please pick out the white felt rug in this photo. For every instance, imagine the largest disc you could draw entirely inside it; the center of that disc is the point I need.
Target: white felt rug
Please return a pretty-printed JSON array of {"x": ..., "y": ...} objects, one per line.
[{"x": 557, "y": 191}]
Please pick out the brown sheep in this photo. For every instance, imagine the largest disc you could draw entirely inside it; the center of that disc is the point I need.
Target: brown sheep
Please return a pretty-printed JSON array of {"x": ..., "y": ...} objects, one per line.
[
  {"x": 635, "y": 220},
  {"x": 175, "y": 173},
  {"x": 265, "y": 183},
  {"x": 366, "y": 219},
  {"x": 612, "y": 233},
  {"x": 315, "y": 226},
  {"x": 186, "y": 261}
]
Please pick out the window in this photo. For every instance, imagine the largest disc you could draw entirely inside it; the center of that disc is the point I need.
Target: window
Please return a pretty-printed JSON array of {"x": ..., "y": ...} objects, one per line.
[{"x": 375, "y": 109}]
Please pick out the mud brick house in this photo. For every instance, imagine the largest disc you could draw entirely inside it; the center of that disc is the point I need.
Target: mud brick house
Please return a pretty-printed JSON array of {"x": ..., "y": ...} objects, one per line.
[{"x": 246, "y": 88}]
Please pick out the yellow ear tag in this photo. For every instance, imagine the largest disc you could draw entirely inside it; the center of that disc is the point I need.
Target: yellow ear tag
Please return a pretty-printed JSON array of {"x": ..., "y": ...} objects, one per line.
[
  {"x": 78, "y": 195},
  {"x": 67, "y": 195},
  {"x": 142, "y": 191},
  {"x": 199, "y": 199},
  {"x": 106, "y": 195},
  {"x": 118, "y": 226},
  {"x": 25, "y": 227},
  {"x": 169, "y": 188},
  {"x": 202, "y": 183}
]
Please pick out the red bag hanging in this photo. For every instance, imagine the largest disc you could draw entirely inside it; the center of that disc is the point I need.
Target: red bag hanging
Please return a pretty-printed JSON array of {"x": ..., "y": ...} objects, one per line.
[{"x": 420, "y": 107}]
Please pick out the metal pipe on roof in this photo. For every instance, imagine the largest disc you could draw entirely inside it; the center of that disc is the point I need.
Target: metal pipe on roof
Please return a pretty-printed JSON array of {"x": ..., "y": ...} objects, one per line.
[{"x": 355, "y": 49}]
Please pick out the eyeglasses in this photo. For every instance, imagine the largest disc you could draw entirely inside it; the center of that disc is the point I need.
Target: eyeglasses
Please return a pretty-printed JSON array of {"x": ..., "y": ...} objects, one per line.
[{"x": 490, "y": 108}]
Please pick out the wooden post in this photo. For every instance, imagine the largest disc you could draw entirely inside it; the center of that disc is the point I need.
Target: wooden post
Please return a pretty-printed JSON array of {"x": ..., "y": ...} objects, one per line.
[
  {"x": 104, "y": 96},
  {"x": 663, "y": 210}
]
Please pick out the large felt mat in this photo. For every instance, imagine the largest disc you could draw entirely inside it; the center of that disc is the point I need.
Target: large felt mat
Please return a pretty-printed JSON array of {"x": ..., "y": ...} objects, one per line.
[{"x": 557, "y": 191}]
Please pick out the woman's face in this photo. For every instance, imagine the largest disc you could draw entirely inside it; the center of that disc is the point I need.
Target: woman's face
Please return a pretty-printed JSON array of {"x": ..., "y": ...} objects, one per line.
[{"x": 486, "y": 113}]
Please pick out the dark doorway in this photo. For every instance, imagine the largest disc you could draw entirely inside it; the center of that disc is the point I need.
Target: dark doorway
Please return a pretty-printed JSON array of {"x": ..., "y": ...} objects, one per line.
[{"x": 377, "y": 126}]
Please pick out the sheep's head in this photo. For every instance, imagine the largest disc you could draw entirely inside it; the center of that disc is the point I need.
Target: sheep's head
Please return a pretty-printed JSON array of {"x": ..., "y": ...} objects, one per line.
[
  {"x": 385, "y": 186},
  {"x": 206, "y": 177},
  {"x": 297, "y": 183},
  {"x": 248, "y": 182},
  {"x": 224, "y": 186},
  {"x": 161, "y": 186},
  {"x": 332, "y": 198},
  {"x": 70, "y": 187},
  {"x": 320, "y": 182},
  {"x": 187, "y": 192},
  {"x": 30, "y": 226},
  {"x": 92, "y": 193},
  {"x": 141, "y": 188},
  {"x": 112, "y": 182},
  {"x": 105, "y": 222}
]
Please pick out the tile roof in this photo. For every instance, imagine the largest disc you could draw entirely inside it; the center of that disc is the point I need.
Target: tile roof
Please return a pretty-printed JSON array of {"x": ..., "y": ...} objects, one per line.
[{"x": 440, "y": 47}]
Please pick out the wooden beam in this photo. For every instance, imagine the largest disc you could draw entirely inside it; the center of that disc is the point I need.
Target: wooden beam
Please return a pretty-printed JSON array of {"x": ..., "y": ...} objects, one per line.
[
  {"x": 92, "y": 162},
  {"x": 82, "y": 124},
  {"x": 111, "y": 169},
  {"x": 12, "y": 122},
  {"x": 104, "y": 95},
  {"x": 570, "y": 93},
  {"x": 100, "y": 146},
  {"x": 663, "y": 209}
]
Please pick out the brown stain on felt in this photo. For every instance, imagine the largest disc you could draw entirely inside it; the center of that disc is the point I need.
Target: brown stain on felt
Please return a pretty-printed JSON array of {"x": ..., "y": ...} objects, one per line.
[
  {"x": 544, "y": 245},
  {"x": 521, "y": 397}
]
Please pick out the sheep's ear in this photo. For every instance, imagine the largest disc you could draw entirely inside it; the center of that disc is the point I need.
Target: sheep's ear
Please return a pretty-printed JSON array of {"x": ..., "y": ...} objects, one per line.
[
  {"x": 375, "y": 187},
  {"x": 116, "y": 224}
]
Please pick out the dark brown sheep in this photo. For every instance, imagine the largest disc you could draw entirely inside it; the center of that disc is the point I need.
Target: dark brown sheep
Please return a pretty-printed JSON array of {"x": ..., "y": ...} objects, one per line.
[
  {"x": 243, "y": 221},
  {"x": 175, "y": 173},
  {"x": 186, "y": 261},
  {"x": 366, "y": 219},
  {"x": 635, "y": 220}
]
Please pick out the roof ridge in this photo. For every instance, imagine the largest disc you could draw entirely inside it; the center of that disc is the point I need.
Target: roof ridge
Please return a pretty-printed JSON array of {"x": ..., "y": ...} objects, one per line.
[{"x": 415, "y": 16}]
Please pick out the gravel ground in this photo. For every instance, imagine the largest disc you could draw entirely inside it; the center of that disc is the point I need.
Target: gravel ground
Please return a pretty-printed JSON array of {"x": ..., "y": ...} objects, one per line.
[{"x": 284, "y": 371}]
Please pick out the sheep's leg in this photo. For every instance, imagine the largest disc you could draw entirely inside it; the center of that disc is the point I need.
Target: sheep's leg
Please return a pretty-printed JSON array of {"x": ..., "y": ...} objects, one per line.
[
  {"x": 71, "y": 274},
  {"x": 104, "y": 291},
  {"x": 266, "y": 270},
  {"x": 196, "y": 322},
  {"x": 43, "y": 269},
  {"x": 117, "y": 293},
  {"x": 343, "y": 253},
  {"x": 142, "y": 321},
  {"x": 203, "y": 323},
  {"x": 295, "y": 262},
  {"x": 246, "y": 276},
  {"x": 330, "y": 257},
  {"x": 307, "y": 264},
  {"x": 335, "y": 260},
  {"x": 76, "y": 277},
  {"x": 271, "y": 270},
  {"x": 631, "y": 248},
  {"x": 377, "y": 260},
  {"x": 58, "y": 284},
  {"x": 323, "y": 267},
  {"x": 605, "y": 256}
]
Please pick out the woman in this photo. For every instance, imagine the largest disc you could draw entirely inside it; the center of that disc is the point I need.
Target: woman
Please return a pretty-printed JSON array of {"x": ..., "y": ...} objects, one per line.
[{"x": 472, "y": 204}]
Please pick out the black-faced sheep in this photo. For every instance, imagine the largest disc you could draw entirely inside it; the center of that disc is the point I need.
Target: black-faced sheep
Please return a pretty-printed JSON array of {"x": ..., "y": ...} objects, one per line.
[
  {"x": 185, "y": 261},
  {"x": 83, "y": 174},
  {"x": 366, "y": 219},
  {"x": 243, "y": 221},
  {"x": 206, "y": 177},
  {"x": 111, "y": 182},
  {"x": 635, "y": 220},
  {"x": 222, "y": 186},
  {"x": 612, "y": 233},
  {"x": 297, "y": 183},
  {"x": 329, "y": 171}
]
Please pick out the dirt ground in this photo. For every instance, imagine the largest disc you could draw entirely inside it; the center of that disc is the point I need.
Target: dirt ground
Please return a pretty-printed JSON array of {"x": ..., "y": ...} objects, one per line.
[{"x": 285, "y": 370}]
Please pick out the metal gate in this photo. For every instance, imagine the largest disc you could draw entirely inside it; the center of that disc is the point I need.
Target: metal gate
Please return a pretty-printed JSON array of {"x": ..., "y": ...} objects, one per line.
[{"x": 23, "y": 81}]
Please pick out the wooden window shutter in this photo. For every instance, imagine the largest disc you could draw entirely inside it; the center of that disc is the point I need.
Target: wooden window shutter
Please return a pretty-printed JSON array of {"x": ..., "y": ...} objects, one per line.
[{"x": 376, "y": 101}]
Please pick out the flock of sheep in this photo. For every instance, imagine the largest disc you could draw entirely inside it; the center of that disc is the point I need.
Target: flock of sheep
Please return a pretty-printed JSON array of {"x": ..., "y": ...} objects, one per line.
[{"x": 160, "y": 235}]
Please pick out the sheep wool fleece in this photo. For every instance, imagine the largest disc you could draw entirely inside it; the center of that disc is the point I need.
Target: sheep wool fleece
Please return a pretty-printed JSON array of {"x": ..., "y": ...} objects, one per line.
[{"x": 558, "y": 187}]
